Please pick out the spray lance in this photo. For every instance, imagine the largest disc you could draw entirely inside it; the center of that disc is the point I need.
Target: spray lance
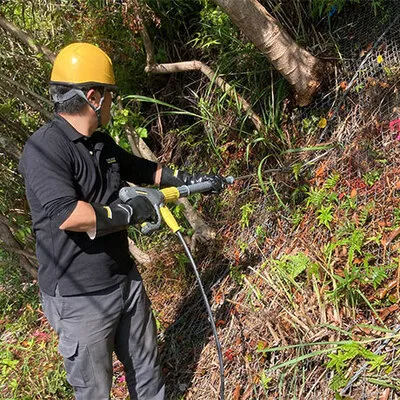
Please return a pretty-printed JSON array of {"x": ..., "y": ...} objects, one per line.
[{"x": 159, "y": 198}]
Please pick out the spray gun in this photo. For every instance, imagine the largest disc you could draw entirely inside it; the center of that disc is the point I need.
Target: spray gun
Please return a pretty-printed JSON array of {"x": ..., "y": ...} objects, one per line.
[{"x": 158, "y": 199}]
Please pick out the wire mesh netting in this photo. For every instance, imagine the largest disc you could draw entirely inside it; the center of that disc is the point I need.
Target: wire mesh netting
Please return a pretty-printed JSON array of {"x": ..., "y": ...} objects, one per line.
[
  {"x": 362, "y": 110},
  {"x": 367, "y": 79}
]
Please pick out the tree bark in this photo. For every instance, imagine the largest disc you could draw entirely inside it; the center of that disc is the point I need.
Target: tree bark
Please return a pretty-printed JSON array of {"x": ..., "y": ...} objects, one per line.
[{"x": 300, "y": 68}]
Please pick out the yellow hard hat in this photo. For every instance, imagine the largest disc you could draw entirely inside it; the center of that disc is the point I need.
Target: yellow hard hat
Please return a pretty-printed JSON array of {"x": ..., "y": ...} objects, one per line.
[{"x": 82, "y": 64}]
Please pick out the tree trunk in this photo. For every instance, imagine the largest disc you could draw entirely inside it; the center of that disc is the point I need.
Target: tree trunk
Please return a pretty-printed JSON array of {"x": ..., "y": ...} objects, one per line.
[{"x": 300, "y": 68}]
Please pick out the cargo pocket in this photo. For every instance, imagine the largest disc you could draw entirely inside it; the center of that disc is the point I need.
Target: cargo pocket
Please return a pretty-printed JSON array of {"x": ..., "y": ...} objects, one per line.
[{"x": 76, "y": 362}]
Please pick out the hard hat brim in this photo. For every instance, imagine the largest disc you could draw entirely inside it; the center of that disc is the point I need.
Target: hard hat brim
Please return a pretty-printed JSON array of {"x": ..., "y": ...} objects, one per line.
[{"x": 85, "y": 85}]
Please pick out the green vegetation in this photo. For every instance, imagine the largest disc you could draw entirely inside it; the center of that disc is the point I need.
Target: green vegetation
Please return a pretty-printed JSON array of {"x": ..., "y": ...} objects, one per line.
[{"x": 30, "y": 366}]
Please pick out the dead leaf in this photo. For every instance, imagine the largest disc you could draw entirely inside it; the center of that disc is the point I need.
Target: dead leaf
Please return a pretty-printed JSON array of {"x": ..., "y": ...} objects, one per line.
[
  {"x": 395, "y": 247},
  {"x": 391, "y": 237},
  {"x": 383, "y": 223},
  {"x": 361, "y": 329},
  {"x": 322, "y": 123},
  {"x": 339, "y": 272},
  {"x": 248, "y": 393},
  {"x": 385, "y": 394},
  {"x": 369, "y": 47},
  {"x": 381, "y": 293},
  {"x": 388, "y": 310},
  {"x": 236, "y": 392},
  {"x": 219, "y": 298},
  {"x": 262, "y": 345},
  {"x": 320, "y": 171},
  {"x": 230, "y": 354},
  {"x": 117, "y": 392}
]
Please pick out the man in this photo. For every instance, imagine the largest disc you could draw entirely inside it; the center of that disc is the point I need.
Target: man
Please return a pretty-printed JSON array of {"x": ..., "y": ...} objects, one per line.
[{"x": 91, "y": 291}]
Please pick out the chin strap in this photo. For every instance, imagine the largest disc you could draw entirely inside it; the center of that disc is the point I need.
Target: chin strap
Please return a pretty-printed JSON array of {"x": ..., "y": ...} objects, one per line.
[{"x": 62, "y": 98}]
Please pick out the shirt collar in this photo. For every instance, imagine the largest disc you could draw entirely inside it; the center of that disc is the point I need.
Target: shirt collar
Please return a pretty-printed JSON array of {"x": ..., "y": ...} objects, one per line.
[{"x": 68, "y": 129}]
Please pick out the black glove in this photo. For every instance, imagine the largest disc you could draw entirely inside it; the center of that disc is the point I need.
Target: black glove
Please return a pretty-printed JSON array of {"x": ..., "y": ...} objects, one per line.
[
  {"x": 142, "y": 210},
  {"x": 118, "y": 215},
  {"x": 170, "y": 177}
]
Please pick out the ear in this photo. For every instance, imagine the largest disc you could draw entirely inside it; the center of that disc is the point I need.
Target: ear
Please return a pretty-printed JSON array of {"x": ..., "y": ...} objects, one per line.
[{"x": 93, "y": 96}]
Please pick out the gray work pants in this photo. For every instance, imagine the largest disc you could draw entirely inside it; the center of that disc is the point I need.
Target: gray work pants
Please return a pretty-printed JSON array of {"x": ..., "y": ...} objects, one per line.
[{"x": 92, "y": 326}]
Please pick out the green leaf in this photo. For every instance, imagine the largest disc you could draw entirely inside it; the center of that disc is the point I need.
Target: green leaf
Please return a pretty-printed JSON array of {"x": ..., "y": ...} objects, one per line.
[{"x": 141, "y": 132}]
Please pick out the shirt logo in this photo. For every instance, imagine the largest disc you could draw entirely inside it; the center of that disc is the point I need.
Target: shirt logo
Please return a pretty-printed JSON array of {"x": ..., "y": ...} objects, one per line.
[{"x": 111, "y": 160}]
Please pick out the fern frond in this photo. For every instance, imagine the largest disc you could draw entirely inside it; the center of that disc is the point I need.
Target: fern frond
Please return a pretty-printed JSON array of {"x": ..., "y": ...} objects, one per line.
[{"x": 331, "y": 181}]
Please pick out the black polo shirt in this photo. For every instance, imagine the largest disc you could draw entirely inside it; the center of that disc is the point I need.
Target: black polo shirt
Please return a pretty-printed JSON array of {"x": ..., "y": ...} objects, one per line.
[{"x": 60, "y": 166}]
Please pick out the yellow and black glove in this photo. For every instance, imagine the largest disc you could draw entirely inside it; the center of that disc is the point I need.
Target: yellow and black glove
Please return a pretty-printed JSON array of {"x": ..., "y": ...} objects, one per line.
[{"x": 118, "y": 215}]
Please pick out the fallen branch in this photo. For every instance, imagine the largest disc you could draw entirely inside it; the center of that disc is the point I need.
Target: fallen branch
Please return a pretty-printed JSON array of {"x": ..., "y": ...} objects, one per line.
[
  {"x": 27, "y": 90},
  {"x": 26, "y": 39},
  {"x": 195, "y": 65},
  {"x": 12, "y": 245},
  {"x": 12, "y": 90},
  {"x": 140, "y": 256},
  {"x": 202, "y": 232}
]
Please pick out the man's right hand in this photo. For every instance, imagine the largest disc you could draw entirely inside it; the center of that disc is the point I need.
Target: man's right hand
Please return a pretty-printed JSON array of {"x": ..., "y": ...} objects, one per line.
[
  {"x": 141, "y": 210},
  {"x": 118, "y": 215}
]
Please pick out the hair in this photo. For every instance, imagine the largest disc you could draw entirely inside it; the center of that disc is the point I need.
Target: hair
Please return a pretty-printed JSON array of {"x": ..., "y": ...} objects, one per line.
[{"x": 73, "y": 106}]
